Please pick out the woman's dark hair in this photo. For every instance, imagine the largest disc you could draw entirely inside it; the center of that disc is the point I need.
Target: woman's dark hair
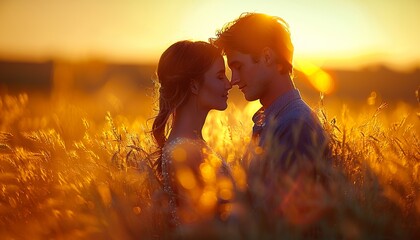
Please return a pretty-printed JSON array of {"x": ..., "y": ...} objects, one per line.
[{"x": 179, "y": 65}]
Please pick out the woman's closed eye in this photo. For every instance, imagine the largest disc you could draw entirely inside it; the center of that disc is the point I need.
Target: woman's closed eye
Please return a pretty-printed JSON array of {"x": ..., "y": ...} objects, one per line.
[{"x": 221, "y": 76}]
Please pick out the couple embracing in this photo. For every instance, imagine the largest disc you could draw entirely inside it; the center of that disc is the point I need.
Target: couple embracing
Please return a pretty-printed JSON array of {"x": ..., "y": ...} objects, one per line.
[{"x": 287, "y": 136}]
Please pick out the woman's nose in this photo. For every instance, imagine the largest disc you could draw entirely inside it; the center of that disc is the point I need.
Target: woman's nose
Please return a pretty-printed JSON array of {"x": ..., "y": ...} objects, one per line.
[{"x": 228, "y": 85}]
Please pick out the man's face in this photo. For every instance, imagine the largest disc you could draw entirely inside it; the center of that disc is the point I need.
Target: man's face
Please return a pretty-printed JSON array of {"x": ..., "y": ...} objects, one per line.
[{"x": 249, "y": 75}]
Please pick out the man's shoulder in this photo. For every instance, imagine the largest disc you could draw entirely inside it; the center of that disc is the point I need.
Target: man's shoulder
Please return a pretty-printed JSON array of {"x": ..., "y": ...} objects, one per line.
[
  {"x": 297, "y": 110},
  {"x": 183, "y": 149},
  {"x": 296, "y": 115}
]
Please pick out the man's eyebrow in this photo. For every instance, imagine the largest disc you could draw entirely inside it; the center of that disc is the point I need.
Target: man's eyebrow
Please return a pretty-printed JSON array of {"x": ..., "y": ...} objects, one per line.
[
  {"x": 222, "y": 70},
  {"x": 233, "y": 62}
]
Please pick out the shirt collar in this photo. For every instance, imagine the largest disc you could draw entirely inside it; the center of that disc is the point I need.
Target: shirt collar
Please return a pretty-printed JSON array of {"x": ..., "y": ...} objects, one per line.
[{"x": 278, "y": 104}]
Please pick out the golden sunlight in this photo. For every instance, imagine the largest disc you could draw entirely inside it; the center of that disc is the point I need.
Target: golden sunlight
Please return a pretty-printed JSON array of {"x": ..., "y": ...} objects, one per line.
[
  {"x": 208, "y": 199},
  {"x": 372, "y": 98},
  {"x": 79, "y": 97},
  {"x": 186, "y": 178},
  {"x": 207, "y": 172},
  {"x": 320, "y": 79},
  {"x": 225, "y": 188},
  {"x": 251, "y": 108},
  {"x": 179, "y": 154},
  {"x": 139, "y": 31}
]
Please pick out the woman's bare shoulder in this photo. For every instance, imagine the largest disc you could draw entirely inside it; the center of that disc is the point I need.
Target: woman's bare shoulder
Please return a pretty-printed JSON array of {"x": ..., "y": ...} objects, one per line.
[{"x": 184, "y": 151}]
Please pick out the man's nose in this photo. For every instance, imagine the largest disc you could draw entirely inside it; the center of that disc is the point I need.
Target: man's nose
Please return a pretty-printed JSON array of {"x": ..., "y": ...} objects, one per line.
[{"x": 235, "y": 79}]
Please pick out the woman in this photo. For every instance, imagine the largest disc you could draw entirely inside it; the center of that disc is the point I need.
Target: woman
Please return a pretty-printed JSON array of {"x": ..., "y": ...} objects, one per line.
[{"x": 192, "y": 82}]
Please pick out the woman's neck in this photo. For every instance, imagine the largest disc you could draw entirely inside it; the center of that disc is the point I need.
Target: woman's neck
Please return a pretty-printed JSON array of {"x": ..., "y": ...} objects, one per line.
[{"x": 188, "y": 122}]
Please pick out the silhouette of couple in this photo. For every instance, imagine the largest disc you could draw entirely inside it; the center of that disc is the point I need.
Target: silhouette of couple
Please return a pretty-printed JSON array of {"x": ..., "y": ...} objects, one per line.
[{"x": 287, "y": 136}]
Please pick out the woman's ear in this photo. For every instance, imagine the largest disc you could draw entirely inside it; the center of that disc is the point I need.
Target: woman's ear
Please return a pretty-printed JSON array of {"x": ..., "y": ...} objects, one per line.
[{"x": 194, "y": 86}]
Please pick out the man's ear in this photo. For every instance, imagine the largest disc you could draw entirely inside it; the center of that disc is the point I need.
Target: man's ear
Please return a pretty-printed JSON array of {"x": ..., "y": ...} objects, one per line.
[
  {"x": 194, "y": 86},
  {"x": 268, "y": 56}
]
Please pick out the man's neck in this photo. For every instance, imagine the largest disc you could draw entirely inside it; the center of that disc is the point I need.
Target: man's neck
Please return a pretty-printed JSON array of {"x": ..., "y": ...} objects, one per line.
[{"x": 277, "y": 88}]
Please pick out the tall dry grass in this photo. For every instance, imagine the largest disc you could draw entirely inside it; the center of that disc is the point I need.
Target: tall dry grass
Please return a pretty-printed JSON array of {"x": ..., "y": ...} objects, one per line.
[{"x": 64, "y": 176}]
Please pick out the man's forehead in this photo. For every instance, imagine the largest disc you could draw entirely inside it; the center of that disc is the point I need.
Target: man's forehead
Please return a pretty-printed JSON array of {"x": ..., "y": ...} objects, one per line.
[
  {"x": 237, "y": 57},
  {"x": 233, "y": 55}
]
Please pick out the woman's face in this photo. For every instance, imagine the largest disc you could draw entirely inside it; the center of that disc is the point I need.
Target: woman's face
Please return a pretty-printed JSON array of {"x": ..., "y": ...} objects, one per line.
[{"x": 215, "y": 86}]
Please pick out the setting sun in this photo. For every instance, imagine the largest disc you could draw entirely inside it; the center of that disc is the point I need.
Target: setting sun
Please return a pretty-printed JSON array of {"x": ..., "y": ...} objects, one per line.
[
  {"x": 328, "y": 33},
  {"x": 113, "y": 125}
]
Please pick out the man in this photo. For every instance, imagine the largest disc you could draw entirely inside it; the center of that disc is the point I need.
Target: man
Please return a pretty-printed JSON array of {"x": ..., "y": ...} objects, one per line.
[{"x": 287, "y": 134}]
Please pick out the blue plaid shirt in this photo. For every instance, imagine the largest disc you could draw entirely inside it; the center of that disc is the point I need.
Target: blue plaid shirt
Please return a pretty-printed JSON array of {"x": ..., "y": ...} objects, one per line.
[{"x": 290, "y": 128}]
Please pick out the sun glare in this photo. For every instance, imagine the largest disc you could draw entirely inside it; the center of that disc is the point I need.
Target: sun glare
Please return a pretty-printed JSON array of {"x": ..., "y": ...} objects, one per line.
[{"x": 320, "y": 79}]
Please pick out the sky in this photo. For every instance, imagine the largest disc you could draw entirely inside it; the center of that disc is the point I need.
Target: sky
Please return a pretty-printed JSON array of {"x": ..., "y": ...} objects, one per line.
[{"x": 330, "y": 33}]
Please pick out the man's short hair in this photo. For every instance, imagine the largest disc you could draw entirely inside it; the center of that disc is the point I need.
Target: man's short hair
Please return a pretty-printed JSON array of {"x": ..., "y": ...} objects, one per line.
[{"x": 252, "y": 32}]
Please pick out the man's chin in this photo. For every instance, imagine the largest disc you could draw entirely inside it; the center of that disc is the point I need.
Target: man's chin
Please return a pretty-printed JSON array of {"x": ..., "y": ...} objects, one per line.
[
  {"x": 221, "y": 107},
  {"x": 250, "y": 98}
]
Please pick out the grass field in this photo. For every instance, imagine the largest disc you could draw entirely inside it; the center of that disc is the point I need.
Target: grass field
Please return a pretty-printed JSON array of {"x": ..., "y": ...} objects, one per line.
[{"x": 68, "y": 174}]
